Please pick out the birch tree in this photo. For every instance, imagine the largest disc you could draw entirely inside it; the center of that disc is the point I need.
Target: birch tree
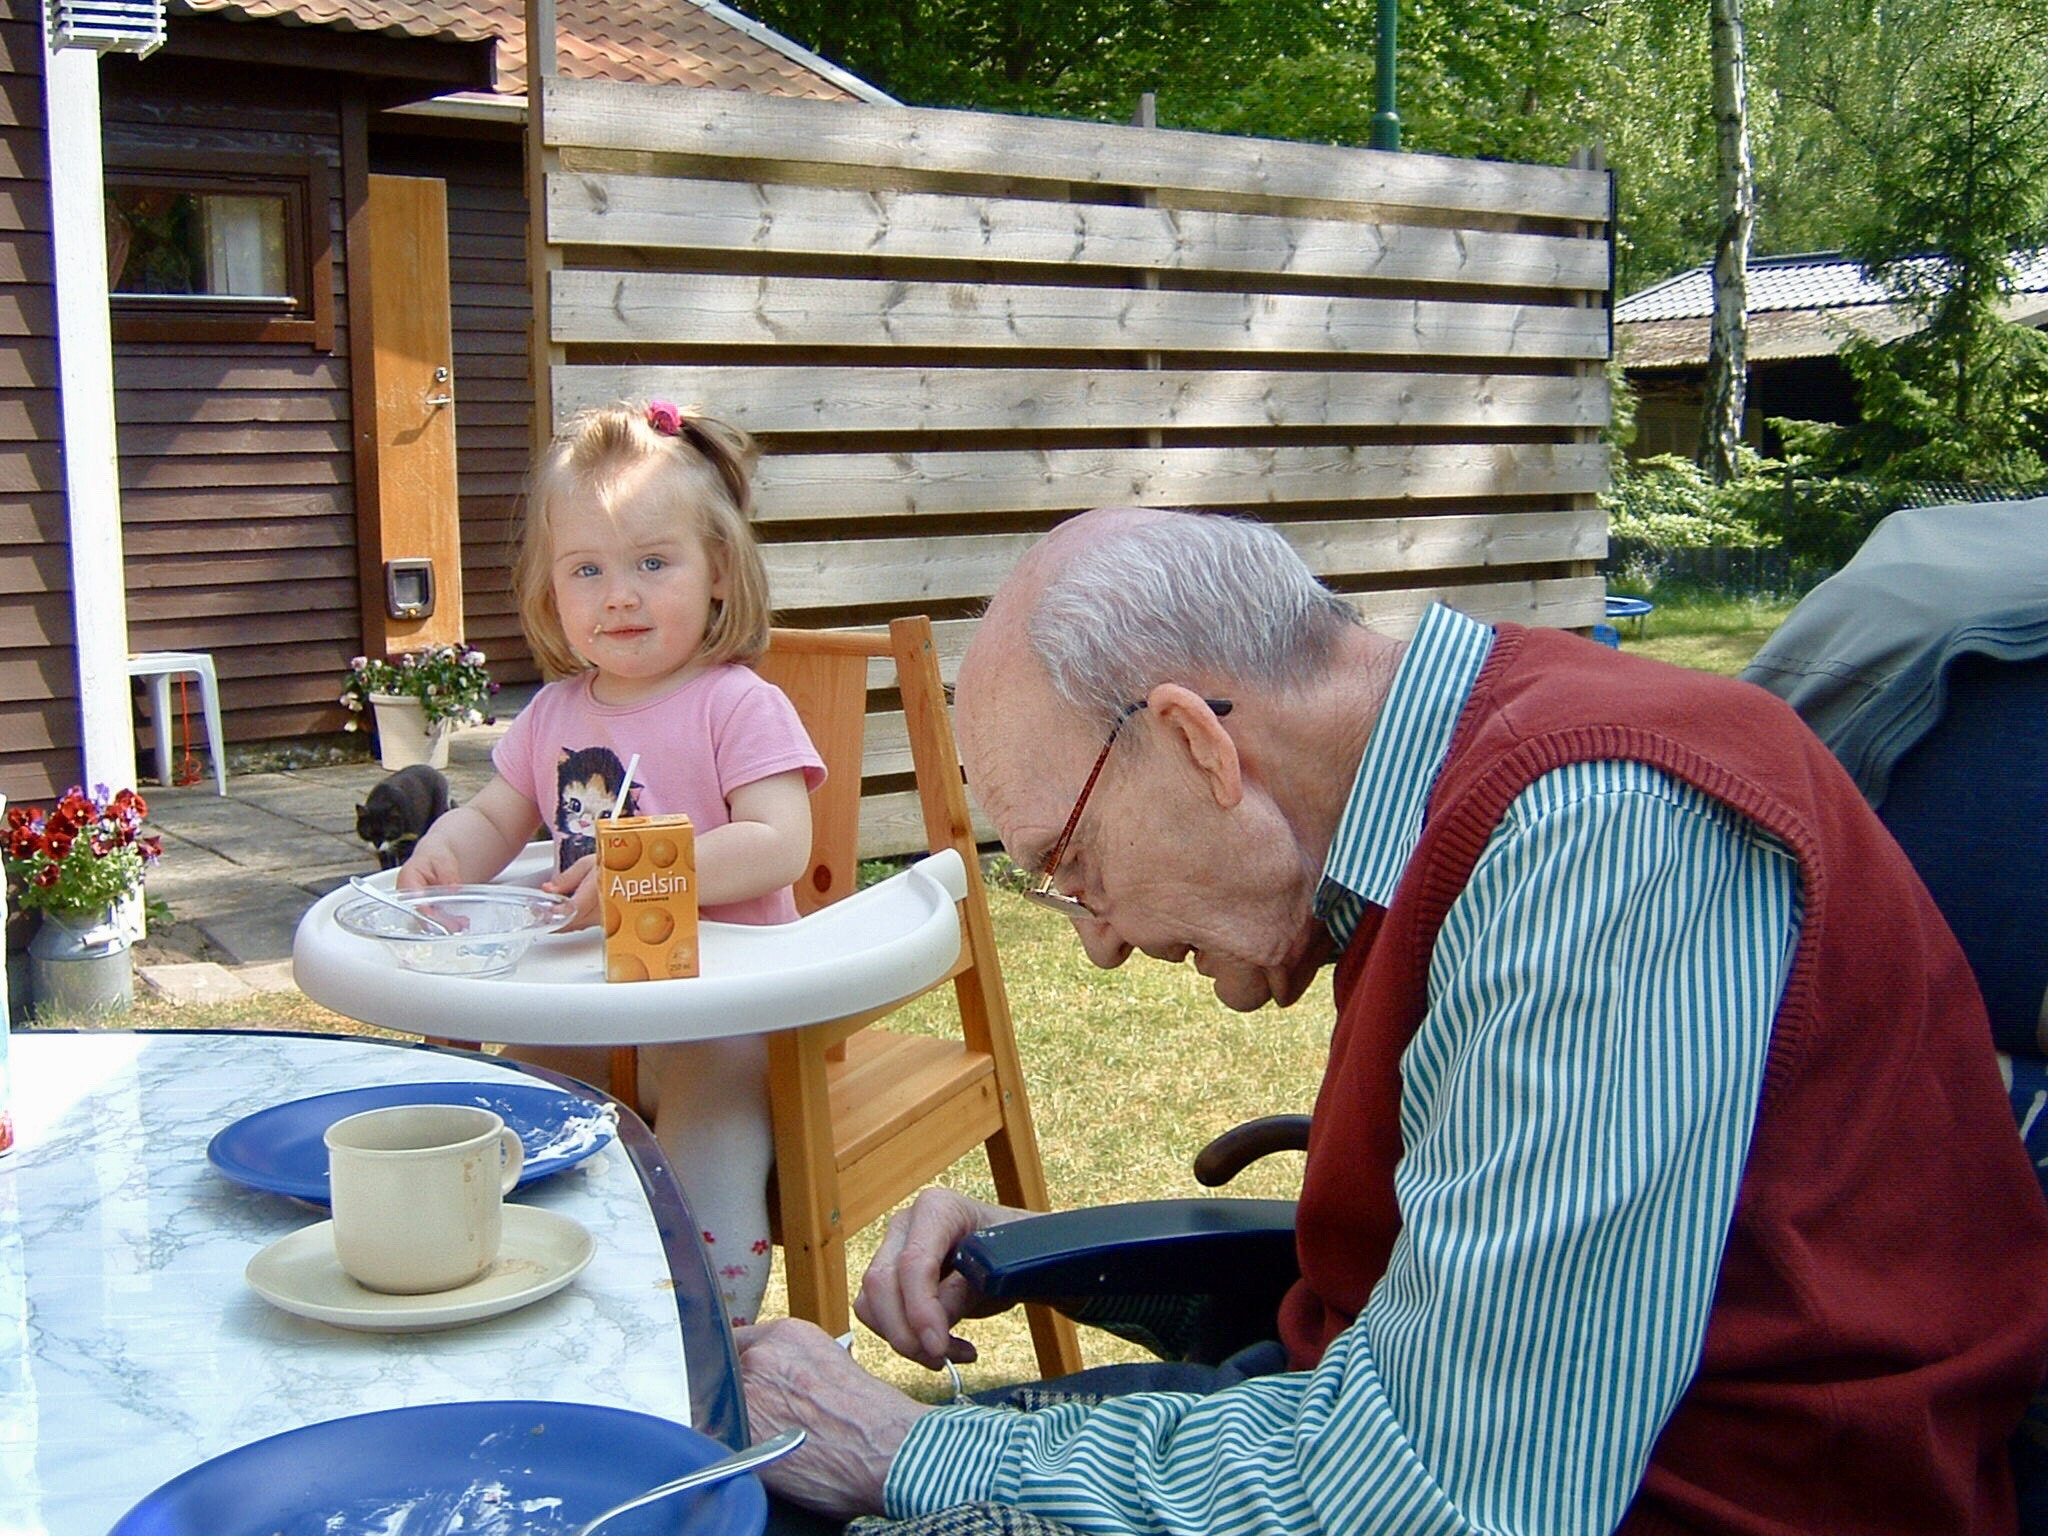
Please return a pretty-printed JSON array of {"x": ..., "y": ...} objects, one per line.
[{"x": 1727, "y": 383}]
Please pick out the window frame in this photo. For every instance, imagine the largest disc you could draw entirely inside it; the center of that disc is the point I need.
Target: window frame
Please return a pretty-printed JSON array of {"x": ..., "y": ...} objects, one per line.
[{"x": 309, "y": 252}]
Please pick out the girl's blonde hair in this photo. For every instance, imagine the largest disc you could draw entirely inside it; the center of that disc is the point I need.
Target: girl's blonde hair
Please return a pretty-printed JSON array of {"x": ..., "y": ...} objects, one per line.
[{"x": 710, "y": 466}]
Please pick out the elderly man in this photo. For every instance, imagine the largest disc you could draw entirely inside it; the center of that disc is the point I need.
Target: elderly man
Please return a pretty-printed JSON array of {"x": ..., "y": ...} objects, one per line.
[{"x": 1660, "y": 1178}]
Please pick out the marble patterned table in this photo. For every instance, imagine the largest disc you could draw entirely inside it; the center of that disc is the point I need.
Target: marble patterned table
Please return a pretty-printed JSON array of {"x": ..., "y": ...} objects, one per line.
[{"x": 131, "y": 1348}]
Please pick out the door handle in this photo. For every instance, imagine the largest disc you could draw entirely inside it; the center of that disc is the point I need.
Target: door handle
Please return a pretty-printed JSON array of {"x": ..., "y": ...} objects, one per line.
[{"x": 440, "y": 399}]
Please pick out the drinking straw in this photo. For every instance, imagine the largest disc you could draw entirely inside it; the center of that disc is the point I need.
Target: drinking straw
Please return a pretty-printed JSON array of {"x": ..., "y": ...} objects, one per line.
[{"x": 626, "y": 788}]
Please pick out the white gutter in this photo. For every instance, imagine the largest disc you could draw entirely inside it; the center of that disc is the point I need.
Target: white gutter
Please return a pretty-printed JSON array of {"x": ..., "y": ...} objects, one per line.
[
  {"x": 85, "y": 385},
  {"x": 466, "y": 106},
  {"x": 794, "y": 51}
]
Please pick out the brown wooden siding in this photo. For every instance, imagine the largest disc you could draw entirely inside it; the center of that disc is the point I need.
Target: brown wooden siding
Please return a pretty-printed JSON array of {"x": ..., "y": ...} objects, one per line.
[
  {"x": 492, "y": 306},
  {"x": 38, "y": 671},
  {"x": 237, "y": 473}
]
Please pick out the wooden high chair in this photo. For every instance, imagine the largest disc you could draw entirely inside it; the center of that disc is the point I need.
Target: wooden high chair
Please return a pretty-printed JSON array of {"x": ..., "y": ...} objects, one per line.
[{"x": 863, "y": 1118}]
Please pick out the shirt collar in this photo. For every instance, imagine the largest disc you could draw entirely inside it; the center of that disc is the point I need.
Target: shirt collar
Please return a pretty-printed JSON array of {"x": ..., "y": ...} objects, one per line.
[{"x": 1382, "y": 820}]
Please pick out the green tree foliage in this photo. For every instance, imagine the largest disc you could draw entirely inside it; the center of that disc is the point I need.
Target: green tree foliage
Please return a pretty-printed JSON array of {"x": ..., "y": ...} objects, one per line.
[
  {"x": 1500, "y": 78},
  {"x": 1654, "y": 84},
  {"x": 1081, "y": 58},
  {"x": 1495, "y": 79},
  {"x": 1945, "y": 107},
  {"x": 1669, "y": 503},
  {"x": 1653, "y": 90},
  {"x": 1528, "y": 80}
]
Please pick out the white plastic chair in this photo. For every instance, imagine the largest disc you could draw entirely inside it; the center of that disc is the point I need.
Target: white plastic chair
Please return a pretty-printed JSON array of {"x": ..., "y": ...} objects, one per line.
[{"x": 160, "y": 667}]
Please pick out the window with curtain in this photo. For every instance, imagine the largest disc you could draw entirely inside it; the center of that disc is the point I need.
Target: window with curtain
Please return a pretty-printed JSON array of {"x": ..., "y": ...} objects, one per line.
[{"x": 227, "y": 251}]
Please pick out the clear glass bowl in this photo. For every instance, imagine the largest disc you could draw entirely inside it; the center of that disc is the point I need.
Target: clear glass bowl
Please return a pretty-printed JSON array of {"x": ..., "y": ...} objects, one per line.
[{"x": 490, "y": 926}]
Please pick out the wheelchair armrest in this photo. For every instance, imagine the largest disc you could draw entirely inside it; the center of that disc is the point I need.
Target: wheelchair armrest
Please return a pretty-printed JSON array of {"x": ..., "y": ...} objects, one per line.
[
  {"x": 1151, "y": 1247},
  {"x": 1242, "y": 1145}
]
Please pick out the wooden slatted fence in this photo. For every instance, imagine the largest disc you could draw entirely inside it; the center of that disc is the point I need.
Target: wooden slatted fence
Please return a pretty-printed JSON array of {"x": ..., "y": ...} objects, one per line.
[{"x": 950, "y": 330}]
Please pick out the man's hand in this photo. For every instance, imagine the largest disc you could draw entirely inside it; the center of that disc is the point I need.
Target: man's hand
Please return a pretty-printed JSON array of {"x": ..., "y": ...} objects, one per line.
[
  {"x": 794, "y": 1373},
  {"x": 908, "y": 1296}
]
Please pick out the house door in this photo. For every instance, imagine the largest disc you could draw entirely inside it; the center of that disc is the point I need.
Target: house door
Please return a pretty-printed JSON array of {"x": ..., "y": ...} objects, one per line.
[{"x": 413, "y": 553}]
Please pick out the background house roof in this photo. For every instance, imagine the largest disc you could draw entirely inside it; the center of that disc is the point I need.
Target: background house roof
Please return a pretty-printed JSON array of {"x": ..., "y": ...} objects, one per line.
[
  {"x": 680, "y": 42},
  {"x": 1824, "y": 281},
  {"x": 1799, "y": 306}
]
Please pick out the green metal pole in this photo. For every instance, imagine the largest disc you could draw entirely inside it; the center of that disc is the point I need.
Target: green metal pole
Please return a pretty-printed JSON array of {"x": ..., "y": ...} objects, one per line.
[{"x": 1386, "y": 122}]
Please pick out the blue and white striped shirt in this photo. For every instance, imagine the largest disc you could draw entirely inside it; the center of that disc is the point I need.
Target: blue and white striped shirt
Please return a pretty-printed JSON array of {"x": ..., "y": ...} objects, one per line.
[{"x": 1576, "y": 1110}]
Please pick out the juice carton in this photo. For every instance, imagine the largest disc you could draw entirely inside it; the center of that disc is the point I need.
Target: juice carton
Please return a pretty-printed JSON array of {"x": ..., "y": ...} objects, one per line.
[{"x": 647, "y": 890}]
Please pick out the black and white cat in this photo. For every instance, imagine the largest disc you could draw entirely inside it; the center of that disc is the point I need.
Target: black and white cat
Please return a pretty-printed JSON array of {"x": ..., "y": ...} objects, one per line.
[
  {"x": 399, "y": 810},
  {"x": 587, "y": 782}
]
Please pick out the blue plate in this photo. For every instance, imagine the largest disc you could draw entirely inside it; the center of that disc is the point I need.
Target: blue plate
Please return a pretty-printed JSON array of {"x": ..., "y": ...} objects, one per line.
[
  {"x": 281, "y": 1149},
  {"x": 482, "y": 1469}
]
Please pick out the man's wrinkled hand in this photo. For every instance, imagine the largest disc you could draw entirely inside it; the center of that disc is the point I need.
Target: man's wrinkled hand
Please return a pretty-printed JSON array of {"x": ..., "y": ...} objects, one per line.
[
  {"x": 795, "y": 1374},
  {"x": 909, "y": 1296}
]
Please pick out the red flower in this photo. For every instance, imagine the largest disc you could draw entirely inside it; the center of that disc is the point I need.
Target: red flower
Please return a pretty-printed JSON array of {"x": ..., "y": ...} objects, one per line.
[
  {"x": 61, "y": 852},
  {"x": 665, "y": 416}
]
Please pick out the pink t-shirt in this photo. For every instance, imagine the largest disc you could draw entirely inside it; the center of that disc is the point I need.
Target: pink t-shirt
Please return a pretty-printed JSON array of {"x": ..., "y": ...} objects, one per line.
[{"x": 719, "y": 732}]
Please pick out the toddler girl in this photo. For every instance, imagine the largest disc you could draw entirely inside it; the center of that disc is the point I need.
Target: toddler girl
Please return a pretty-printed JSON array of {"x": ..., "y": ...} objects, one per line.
[{"x": 641, "y": 591}]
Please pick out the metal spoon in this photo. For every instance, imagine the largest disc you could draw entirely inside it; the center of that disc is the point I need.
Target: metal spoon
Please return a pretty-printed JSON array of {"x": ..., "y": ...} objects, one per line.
[
  {"x": 432, "y": 925},
  {"x": 712, "y": 1472}
]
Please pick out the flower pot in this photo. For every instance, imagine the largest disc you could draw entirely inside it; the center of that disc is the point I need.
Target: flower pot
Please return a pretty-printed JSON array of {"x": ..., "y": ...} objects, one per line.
[
  {"x": 402, "y": 734},
  {"x": 79, "y": 963}
]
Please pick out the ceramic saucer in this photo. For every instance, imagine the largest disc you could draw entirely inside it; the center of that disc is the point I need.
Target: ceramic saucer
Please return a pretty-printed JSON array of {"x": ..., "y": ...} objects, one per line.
[{"x": 541, "y": 1253}]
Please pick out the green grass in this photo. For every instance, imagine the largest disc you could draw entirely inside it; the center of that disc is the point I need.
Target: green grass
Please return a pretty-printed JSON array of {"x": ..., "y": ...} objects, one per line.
[
  {"x": 1707, "y": 632},
  {"x": 1130, "y": 1071}
]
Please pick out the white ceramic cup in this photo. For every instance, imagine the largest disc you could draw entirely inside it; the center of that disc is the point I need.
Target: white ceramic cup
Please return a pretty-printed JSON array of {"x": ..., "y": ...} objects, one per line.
[{"x": 419, "y": 1194}]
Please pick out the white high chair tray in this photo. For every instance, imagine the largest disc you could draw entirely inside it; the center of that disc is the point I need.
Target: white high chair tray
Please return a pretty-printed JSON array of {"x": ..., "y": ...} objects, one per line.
[{"x": 875, "y": 947}]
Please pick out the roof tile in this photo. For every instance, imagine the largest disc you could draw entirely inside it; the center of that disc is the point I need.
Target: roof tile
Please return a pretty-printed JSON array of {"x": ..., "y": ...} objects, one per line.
[
  {"x": 652, "y": 41},
  {"x": 1773, "y": 336},
  {"x": 1825, "y": 281}
]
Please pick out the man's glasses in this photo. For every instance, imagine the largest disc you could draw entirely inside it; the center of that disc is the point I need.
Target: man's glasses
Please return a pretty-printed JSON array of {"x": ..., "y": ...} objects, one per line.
[{"x": 1044, "y": 892}]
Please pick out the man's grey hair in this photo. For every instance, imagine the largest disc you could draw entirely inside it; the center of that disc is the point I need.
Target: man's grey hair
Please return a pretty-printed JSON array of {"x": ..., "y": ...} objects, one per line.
[{"x": 1181, "y": 598}]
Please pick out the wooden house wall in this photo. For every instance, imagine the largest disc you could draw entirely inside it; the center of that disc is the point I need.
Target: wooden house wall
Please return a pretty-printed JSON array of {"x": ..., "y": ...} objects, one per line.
[
  {"x": 237, "y": 474},
  {"x": 951, "y": 330},
  {"x": 38, "y": 669},
  {"x": 492, "y": 304}
]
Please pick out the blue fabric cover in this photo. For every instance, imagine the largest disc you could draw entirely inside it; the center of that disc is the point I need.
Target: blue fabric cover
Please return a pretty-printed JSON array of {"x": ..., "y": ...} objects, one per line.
[
  {"x": 1865, "y": 656},
  {"x": 1969, "y": 804}
]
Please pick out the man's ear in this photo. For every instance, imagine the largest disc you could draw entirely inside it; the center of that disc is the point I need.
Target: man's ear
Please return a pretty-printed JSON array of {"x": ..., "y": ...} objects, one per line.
[{"x": 1200, "y": 730}]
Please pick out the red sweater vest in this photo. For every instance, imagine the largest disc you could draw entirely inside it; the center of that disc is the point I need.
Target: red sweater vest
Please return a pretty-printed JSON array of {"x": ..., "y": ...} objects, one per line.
[{"x": 1881, "y": 1315}]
